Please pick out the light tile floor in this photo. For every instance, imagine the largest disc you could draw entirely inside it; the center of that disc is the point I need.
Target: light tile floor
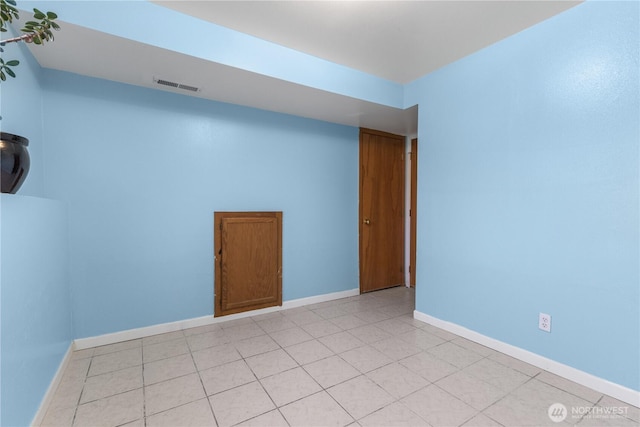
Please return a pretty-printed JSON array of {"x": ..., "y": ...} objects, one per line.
[{"x": 360, "y": 361}]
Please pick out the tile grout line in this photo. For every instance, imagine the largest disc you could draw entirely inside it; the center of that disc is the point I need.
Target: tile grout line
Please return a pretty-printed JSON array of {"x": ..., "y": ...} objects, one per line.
[
  {"x": 206, "y": 396},
  {"x": 449, "y": 338},
  {"x": 144, "y": 387},
  {"x": 84, "y": 382}
]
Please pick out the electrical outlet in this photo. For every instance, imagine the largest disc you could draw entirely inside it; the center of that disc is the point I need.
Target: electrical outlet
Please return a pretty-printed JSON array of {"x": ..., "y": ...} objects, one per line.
[{"x": 544, "y": 322}]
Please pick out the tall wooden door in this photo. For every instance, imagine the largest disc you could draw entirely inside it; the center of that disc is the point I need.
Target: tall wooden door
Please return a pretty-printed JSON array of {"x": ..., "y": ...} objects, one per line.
[
  {"x": 248, "y": 267},
  {"x": 382, "y": 175}
]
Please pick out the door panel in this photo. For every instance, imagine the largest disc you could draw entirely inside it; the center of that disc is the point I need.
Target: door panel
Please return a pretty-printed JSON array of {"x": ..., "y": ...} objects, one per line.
[
  {"x": 249, "y": 261},
  {"x": 382, "y": 178}
]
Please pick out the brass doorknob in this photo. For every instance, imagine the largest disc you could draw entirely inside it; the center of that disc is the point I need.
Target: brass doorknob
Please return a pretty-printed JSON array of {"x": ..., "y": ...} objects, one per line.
[{"x": 367, "y": 221}]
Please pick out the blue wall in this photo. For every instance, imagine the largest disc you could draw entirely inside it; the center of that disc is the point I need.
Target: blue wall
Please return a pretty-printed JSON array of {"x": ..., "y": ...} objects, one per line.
[
  {"x": 528, "y": 196},
  {"x": 528, "y": 190},
  {"x": 35, "y": 304},
  {"x": 224, "y": 46},
  {"x": 143, "y": 171},
  {"x": 36, "y": 309},
  {"x": 21, "y": 111}
]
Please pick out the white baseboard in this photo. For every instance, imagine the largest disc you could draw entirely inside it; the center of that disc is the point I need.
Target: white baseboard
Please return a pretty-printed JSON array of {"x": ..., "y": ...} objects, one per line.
[
  {"x": 300, "y": 302},
  {"x": 53, "y": 386},
  {"x": 162, "y": 328},
  {"x": 617, "y": 391}
]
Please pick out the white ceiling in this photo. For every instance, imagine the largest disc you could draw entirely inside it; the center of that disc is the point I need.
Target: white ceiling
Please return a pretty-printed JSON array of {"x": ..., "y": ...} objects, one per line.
[{"x": 396, "y": 40}]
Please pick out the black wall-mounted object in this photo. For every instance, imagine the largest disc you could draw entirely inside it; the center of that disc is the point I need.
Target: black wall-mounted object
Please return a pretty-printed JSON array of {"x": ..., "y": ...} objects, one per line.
[{"x": 15, "y": 161}]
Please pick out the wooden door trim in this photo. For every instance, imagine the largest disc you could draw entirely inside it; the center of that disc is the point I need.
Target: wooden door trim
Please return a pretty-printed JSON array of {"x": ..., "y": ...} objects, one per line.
[
  {"x": 217, "y": 245},
  {"x": 413, "y": 212},
  {"x": 381, "y": 133},
  {"x": 402, "y": 140}
]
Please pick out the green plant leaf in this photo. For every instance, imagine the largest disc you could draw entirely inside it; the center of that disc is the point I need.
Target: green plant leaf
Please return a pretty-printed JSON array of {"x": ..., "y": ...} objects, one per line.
[
  {"x": 38, "y": 31},
  {"x": 9, "y": 7}
]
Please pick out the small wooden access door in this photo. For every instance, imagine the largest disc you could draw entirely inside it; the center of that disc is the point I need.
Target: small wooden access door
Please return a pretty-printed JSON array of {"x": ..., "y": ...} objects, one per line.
[
  {"x": 248, "y": 266},
  {"x": 382, "y": 175}
]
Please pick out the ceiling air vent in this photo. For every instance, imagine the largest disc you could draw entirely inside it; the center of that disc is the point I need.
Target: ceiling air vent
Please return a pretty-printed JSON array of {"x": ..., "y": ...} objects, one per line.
[{"x": 176, "y": 85}]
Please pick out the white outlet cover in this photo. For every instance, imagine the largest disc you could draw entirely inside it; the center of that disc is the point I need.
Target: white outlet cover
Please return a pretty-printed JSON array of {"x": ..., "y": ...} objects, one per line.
[{"x": 544, "y": 322}]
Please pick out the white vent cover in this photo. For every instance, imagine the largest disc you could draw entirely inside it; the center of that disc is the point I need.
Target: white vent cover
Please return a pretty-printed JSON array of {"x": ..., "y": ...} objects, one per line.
[{"x": 176, "y": 85}]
